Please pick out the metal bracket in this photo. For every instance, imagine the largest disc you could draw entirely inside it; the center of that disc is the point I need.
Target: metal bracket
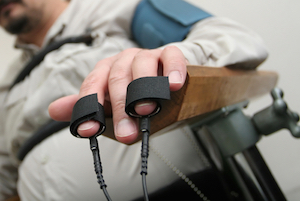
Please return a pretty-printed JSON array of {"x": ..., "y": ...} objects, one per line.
[{"x": 276, "y": 117}]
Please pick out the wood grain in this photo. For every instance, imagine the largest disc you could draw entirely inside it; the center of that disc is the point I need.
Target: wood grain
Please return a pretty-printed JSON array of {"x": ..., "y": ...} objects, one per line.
[
  {"x": 15, "y": 198},
  {"x": 208, "y": 89}
]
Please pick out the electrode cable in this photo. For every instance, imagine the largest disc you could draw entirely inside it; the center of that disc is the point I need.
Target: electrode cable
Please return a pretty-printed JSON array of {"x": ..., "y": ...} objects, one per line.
[
  {"x": 144, "y": 128},
  {"x": 98, "y": 166},
  {"x": 88, "y": 108},
  {"x": 155, "y": 89}
]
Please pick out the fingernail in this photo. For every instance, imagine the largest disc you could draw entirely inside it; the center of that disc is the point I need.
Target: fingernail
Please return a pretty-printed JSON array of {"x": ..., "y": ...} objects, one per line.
[
  {"x": 175, "y": 77},
  {"x": 125, "y": 128},
  {"x": 142, "y": 104},
  {"x": 86, "y": 125},
  {"x": 145, "y": 107}
]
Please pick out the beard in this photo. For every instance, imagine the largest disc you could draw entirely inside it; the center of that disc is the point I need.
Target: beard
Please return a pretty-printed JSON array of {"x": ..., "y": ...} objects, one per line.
[
  {"x": 4, "y": 2},
  {"x": 23, "y": 23},
  {"x": 19, "y": 25}
]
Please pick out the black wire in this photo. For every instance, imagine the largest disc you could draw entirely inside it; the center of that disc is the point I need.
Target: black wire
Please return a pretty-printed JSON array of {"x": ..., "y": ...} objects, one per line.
[
  {"x": 145, "y": 187},
  {"x": 40, "y": 135},
  {"x": 144, "y": 127},
  {"x": 106, "y": 194},
  {"x": 97, "y": 165}
]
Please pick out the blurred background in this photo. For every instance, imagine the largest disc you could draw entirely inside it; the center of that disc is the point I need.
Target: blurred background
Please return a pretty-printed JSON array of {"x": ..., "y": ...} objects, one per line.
[{"x": 278, "y": 23}]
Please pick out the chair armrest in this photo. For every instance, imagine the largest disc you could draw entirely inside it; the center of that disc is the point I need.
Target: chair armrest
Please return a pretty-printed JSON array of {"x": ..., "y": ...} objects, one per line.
[
  {"x": 208, "y": 89},
  {"x": 15, "y": 198}
]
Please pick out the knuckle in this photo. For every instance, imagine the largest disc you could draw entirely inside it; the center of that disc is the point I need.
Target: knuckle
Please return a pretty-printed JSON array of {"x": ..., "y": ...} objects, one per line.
[
  {"x": 117, "y": 76},
  {"x": 144, "y": 54},
  {"x": 129, "y": 50},
  {"x": 89, "y": 82},
  {"x": 104, "y": 63},
  {"x": 174, "y": 57},
  {"x": 171, "y": 48},
  {"x": 177, "y": 62},
  {"x": 118, "y": 106}
]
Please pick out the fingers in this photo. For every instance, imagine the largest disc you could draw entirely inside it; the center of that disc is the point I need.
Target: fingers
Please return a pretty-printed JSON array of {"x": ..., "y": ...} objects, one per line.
[
  {"x": 88, "y": 128},
  {"x": 111, "y": 77},
  {"x": 173, "y": 62},
  {"x": 148, "y": 63},
  {"x": 145, "y": 107},
  {"x": 145, "y": 63},
  {"x": 95, "y": 82},
  {"x": 133, "y": 64},
  {"x": 61, "y": 109},
  {"x": 125, "y": 128},
  {"x": 174, "y": 66}
]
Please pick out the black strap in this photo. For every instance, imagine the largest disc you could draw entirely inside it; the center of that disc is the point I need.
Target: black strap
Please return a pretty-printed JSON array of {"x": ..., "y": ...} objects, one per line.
[
  {"x": 44, "y": 132},
  {"x": 37, "y": 59},
  {"x": 85, "y": 109},
  {"x": 147, "y": 88}
]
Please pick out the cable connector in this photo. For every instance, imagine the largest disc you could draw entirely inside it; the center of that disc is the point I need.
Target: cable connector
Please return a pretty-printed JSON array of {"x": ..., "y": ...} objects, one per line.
[
  {"x": 144, "y": 128},
  {"x": 97, "y": 161}
]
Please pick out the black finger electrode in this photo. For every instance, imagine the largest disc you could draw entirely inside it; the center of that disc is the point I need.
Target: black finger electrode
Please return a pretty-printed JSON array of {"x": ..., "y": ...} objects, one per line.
[
  {"x": 85, "y": 109},
  {"x": 147, "y": 88}
]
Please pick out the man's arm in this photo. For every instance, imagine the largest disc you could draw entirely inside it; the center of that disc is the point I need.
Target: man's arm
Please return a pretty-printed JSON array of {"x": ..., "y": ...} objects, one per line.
[
  {"x": 218, "y": 41},
  {"x": 211, "y": 42}
]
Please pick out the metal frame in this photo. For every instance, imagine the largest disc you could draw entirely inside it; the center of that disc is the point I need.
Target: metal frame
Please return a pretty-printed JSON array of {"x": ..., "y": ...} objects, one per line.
[{"x": 234, "y": 135}]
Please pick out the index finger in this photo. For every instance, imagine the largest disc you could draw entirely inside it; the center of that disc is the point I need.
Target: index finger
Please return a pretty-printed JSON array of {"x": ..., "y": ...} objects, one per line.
[
  {"x": 95, "y": 82},
  {"x": 173, "y": 65}
]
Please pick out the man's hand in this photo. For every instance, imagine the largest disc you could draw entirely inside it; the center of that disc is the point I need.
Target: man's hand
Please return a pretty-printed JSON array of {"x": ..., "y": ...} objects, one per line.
[{"x": 110, "y": 79}]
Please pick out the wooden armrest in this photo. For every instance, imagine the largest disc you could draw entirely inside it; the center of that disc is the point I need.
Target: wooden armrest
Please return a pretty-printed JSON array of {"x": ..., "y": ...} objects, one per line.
[
  {"x": 15, "y": 198},
  {"x": 208, "y": 89}
]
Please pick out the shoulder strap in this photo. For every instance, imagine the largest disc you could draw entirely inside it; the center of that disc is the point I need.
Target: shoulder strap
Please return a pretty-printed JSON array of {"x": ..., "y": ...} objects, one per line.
[
  {"x": 37, "y": 59},
  {"x": 44, "y": 132}
]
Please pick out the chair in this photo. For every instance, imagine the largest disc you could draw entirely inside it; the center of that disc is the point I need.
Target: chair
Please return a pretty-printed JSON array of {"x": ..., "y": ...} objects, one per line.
[{"x": 212, "y": 100}]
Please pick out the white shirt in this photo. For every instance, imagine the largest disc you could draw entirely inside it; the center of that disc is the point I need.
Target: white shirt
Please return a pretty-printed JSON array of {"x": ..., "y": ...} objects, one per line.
[{"x": 213, "y": 41}]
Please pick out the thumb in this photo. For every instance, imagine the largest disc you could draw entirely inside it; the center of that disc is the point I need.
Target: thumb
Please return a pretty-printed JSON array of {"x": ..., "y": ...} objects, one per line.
[{"x": 61, "y": 109}]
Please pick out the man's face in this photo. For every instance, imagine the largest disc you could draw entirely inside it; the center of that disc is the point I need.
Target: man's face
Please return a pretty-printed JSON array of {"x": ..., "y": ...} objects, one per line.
[{"x": 20, "y": 16}]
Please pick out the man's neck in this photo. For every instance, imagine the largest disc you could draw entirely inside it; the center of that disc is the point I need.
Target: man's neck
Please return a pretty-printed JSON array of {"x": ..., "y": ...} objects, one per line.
[{"x": 37, "y": 35}]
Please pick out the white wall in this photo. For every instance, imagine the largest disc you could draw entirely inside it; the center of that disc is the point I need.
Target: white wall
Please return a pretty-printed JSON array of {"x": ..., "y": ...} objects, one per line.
[{"x": 278, "y": 22}]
